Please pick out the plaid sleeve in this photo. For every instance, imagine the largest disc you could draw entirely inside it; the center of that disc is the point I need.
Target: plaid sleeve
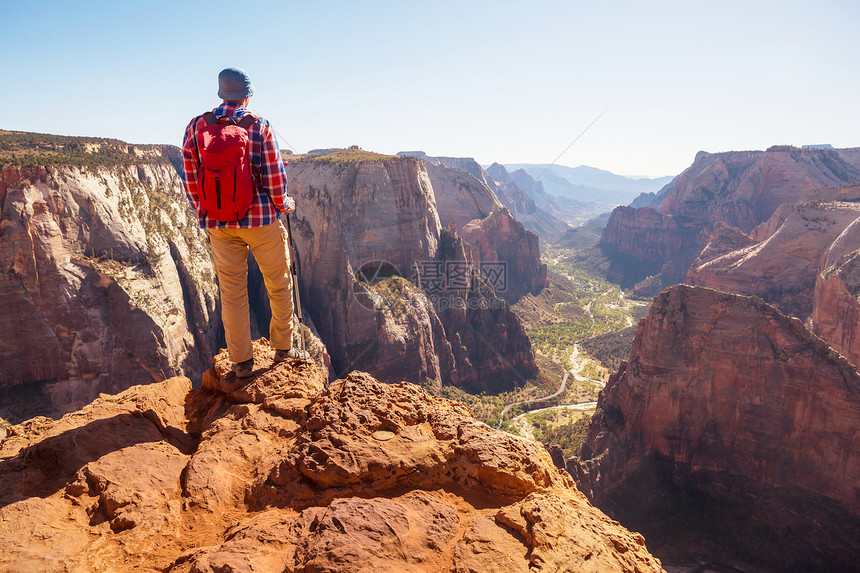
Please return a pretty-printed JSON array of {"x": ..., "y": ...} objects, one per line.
[
  {"x": 190, "y": 161},
  {"x": 273, "y": 174}
]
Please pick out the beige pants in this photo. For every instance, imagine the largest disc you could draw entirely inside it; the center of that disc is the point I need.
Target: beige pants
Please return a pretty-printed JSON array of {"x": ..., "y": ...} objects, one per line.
[{"x": 230, "y": 255}]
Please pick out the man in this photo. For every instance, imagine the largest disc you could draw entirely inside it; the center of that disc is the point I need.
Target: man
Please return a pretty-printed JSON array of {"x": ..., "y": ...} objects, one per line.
[{"x": 259, "y": 230}]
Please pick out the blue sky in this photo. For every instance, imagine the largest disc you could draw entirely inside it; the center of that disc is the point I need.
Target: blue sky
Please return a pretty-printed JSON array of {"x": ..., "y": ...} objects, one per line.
[{"x": 499, "y": 81}]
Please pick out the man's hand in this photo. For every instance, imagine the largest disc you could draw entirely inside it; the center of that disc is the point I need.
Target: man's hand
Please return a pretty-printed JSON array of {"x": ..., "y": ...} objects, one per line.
[{"x": 291, "y": 205}]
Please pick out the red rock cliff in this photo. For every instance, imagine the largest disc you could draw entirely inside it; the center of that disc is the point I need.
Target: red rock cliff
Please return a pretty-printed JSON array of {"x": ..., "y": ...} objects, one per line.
[
  {"x": 741, "y": 189},
  {"x": 782, "y": 269},
  {"x": 836, "y": 305},
  {"x": 104, "y": 279},
  {"x": 735, "y": 402},
  {"x": 367, "y": 232},
  {"x": 496, "y": 238}
]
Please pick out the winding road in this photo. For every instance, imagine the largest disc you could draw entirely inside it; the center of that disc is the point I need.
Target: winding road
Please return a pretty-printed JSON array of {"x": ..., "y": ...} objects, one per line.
[
  {"x": 575, "y": 369},
  {"x": 533, "y": 400}
]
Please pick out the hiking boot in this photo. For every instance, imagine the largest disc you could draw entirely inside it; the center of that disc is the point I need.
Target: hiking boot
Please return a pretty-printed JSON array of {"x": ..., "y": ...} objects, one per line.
[
  {"x": 244, "y": 369},
  {"x": 294, "y": 353}
]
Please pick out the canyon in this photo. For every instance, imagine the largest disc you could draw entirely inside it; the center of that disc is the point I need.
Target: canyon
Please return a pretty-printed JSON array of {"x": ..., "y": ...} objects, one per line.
[
  {"x": 731, "y": 427},
  {"x": 729, "y": 409},
  {"x": 106, "y": 280},
  {"x": 406, "y": 298},
  {"x": 742, "y": 189},
  {"x": 498, "y": 181},
  {"x": 111, "y": 277}
]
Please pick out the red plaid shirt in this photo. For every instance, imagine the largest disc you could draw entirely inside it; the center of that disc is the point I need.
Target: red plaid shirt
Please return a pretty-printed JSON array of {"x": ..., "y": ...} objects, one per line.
[{"x": 266, "y": 164}]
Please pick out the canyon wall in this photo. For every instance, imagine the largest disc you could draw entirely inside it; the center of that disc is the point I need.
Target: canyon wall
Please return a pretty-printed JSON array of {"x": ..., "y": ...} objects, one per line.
[
  {"x": 460, "y": 196},
  {"x": 500, "y": 184},
  {"x": 368, "y": 238},
  {"x": 836, "y": 298},
  {"x": 741, "y": 189},
  {"x": 499, "y": 243},
  {"x": 782, "y": 269},
  {"x": 105, "y": 279},
  {"x": 727, "y": 404},
  {"x": 523, "y": 205}
]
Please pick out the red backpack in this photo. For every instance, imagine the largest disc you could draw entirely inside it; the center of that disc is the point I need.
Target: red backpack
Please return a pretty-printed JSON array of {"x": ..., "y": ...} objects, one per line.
[{"x": 226, "y": 182}]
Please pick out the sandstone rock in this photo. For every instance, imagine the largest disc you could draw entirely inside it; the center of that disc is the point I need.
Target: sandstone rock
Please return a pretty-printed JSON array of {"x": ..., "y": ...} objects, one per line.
[
  {"x": 499, "y": 239},
  {"x": 740, "y": 189},
  {"x": 496, "y": 238},
  {"x": 282, "y": 387},
  {"x": 364, "y": 476},
  {"x": 354, "y": 216},
  {"x": 105, "y": 282},
  {"x": 490, "y": 349},
  {"x": 460, "y": 196},
  {"x": 781, "y": 269},
  {"x": 836, "y": 308},
  {"x": 728, "y": 404},
  {"x": 367, "y": 233},
  {"x": 641, "y": 242}
]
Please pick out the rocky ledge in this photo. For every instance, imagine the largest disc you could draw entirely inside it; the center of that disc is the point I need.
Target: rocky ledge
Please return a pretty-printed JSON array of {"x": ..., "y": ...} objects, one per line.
[{"x": 281, "y": 473}]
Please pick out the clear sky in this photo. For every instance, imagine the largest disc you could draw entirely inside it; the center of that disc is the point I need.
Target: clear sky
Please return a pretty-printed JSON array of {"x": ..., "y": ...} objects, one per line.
[{"x": 513, "y": 82}]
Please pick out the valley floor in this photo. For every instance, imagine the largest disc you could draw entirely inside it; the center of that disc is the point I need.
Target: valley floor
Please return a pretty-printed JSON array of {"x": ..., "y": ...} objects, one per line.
[{"x": 581, "y": 327}]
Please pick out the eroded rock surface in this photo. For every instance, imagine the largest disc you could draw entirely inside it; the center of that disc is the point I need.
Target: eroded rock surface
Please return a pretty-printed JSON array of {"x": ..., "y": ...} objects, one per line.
[
  {"x": 742, "y": 189},
  {"x": 836, "y": 304},
  {"x": 385, "y": 296},
  {"x": 782, "y": 268},
  {"x": 499, "y": 242},
  {"x": 279, "y": 473},
  {"x": 105, "y": 281},
  {"x": 734, "y": 419}
]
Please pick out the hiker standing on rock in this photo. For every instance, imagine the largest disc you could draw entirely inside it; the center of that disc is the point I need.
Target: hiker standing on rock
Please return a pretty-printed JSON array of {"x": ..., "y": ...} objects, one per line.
[{"x": 235, "y": 180}]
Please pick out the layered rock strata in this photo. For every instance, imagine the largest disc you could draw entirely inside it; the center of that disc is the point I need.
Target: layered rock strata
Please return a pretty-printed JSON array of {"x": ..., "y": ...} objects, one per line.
[
  {"x": 460, "y": 196},
  {"x": 740, "y": 189},
  {"x": 499, "y": 243},
  {"x": 382, "y": 294},
  {"x": 281, "y": 474},
  {"x": 836, "y": 299},
  {"x": 497, "y": 180},
  {"x": 782, "y": 268},
  {"x": 105, "y": 280},
  {"x": 644, "y": 242},
  {"x": 730, "y": 408}
]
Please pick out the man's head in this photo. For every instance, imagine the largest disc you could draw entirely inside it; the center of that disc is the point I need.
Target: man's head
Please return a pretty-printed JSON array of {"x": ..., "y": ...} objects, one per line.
[{"x": 234, "y": 84}]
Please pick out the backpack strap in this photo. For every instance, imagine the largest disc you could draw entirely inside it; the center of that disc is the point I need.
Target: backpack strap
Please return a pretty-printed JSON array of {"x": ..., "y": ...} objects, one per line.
[
  {"x": 247, "y": 121},
  {"x": 210, "y": 118}
]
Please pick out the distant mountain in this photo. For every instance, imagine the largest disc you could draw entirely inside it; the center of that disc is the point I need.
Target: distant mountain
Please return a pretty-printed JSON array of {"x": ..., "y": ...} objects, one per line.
[
  {"x": 589, "y": 183},
  {"x": 499, "y": 183}
]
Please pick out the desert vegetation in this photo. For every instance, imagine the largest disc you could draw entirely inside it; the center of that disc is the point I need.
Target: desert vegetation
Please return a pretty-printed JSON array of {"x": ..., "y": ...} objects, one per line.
[
  {"x": 22, "y": 148},
  {"x": 349, "y": 155},
  {"x": 579, "y": 323}
]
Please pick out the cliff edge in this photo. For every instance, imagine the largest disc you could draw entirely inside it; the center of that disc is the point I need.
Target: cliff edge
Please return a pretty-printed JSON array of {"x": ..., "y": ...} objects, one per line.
[
  {"x": 732, "y": 426},
  {"x": 281, "y": 473},
  {"x": 105, "y": 279}
]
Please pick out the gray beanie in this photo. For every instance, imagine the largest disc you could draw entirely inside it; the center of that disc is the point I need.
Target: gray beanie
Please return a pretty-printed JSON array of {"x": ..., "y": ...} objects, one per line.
[{"x": 234, "y": 84}]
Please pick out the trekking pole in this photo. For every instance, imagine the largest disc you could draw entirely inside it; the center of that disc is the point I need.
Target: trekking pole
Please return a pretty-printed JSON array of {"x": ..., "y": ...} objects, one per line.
[{"x": 297, "y": 299}]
